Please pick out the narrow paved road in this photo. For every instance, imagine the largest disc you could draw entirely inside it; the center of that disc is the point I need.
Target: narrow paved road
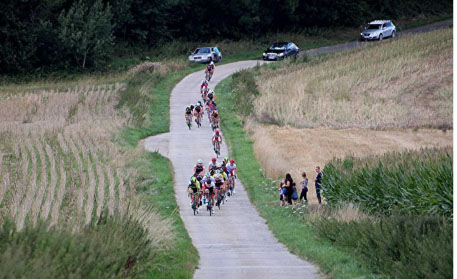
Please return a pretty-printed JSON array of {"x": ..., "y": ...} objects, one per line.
[{"x": 235, "y": 242}]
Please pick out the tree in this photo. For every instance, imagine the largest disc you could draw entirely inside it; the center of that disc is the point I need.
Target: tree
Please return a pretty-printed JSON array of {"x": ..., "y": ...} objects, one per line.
[{"x": 87, "y": 33}]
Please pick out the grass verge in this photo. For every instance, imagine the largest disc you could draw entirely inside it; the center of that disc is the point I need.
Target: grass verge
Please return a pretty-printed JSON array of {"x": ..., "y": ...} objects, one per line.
[
  {"x": 156, "y": 186},
  {"x": 298, "y": 235}
]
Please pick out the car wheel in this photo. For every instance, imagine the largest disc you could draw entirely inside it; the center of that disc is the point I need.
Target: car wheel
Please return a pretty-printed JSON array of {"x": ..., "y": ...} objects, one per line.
[
  {"x": 381, "y": 37},
  {"x": 393, "y": 34}
]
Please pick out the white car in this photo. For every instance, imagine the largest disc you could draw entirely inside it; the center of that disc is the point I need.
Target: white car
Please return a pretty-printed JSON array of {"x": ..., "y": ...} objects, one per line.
[
  {"x": 378, "y": 30},
  {"x": 206, "y": 55}
]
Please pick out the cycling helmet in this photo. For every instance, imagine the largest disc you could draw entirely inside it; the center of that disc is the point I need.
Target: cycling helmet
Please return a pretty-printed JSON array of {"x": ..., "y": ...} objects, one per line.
[
  {"x": 213, "y": 160},
  {"x": 199, "y": 103},
  {"x": 199, "y": 178},
  {"x": 217, "y": 132},
  {"x": 232, "y": 161},
  {"x": 199, "y": 161},
  {"x": 208, "y": 180},
  {"x": 211, "y": 63},
  {"x": 192, "y": 107},
  {"x": 226, "y": 159}
]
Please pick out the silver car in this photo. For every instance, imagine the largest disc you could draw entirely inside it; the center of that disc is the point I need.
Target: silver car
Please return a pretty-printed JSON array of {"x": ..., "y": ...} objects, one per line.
[
  {"x": 378, "y": 30},
  {"x": 206, "y": 55}
]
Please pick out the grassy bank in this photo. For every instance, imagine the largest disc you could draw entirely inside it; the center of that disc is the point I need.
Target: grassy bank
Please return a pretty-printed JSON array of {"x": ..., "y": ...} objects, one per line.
[
  {"x": 155, "y": 184},
  {"x": 297, "y": 234}
]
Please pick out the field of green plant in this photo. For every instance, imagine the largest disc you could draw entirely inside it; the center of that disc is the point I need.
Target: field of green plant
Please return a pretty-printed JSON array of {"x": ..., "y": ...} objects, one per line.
[{"x": 412, "y": 183}]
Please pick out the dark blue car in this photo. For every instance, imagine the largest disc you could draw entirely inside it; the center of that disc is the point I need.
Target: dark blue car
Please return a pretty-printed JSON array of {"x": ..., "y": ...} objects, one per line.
[{"x": 280, "y": 50}]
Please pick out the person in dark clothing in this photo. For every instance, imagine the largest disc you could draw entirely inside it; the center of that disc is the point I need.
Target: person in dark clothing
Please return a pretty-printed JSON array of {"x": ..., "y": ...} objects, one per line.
[
  {"x": 304, "y": 187},
  {"x": 318, "y": 182},
  {"x": 289, "y": 185}
]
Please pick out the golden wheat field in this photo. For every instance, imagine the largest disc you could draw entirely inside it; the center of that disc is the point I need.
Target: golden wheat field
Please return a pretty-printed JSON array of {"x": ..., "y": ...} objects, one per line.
[
  {"x": 403, "y": 83},
  {"x": 58, "y": 161},
  {"x": 56, "y": 155}
]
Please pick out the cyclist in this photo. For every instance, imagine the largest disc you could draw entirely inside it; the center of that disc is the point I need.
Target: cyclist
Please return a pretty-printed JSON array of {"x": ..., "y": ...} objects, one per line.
[
  {"x": 231, "y": 168},
  {"x": 215, "y": 119},
  {"x": 194, "y": 188},
  {"x": 204, "y": 86},
  {"x": 219, "y": 183},
  {"x": 210, "y": 188},
  {"x": 198, "y": 111},
  {"x": 211, "y": 95},
  {"x": 188, "y": 113},
  {"x": 199, "y": 168},
  {"x": 213, "y": 166},
  {"x": 204, "y": 93},
  {"x": 226, "y": 181},
  {"x": 217, "y": 137},
  {"x": 210, "y": 69}
]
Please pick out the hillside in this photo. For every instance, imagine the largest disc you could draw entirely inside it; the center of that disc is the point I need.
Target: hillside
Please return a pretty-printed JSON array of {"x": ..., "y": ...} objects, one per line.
[{"x": 405, "y": 83}]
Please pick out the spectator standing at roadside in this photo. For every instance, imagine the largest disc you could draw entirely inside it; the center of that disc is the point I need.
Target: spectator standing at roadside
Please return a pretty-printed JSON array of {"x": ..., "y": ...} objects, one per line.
[
  {"x": 289, "y": 184},
  {"x": 304, "y": 187},
  {"x": 282, "y": 193},
  {"x": 318, "y": 182}
]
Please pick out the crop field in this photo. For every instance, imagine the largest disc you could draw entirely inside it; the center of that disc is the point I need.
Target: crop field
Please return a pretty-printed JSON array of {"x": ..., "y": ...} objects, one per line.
[
  {"x": 57, "y": 162},
  {"x": 403, "y": 83},
  {"x": 415, "y": 182}
]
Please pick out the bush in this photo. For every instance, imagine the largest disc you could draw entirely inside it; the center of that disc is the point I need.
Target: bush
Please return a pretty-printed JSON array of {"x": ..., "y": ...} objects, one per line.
[
  {"x": 106, "y": 249},
  {"x": 414, "y": 182},
  {"x": 397, "y": 246}
]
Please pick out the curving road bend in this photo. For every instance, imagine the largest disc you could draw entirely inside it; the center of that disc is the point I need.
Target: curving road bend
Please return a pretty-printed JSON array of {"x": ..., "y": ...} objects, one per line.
[{"x": 235, "y": 242}]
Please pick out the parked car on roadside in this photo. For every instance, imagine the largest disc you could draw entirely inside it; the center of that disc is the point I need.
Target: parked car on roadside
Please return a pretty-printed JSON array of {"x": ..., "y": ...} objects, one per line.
[
  {"x": 206, "y": 55},
  {"x": 378, "y": 30},
  {"x": 280, "y": 50}
]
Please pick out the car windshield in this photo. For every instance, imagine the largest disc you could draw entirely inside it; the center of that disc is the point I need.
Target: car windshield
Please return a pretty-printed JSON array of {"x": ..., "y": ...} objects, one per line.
[
  {"x": 278, "y": 46},
  {"x": 202, "y": 50},
  {"x": 275, "y": 50},
  {"x": 373, "y": 26}
]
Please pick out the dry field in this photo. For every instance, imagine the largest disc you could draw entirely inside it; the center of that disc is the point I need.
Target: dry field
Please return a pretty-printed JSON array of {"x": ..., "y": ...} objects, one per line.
[
  {"x": 404, "y": 83},
  {"x": 284, "y": 149},
  {"x": 58, "y": 162},
  {"x": 57, "y": 157}
]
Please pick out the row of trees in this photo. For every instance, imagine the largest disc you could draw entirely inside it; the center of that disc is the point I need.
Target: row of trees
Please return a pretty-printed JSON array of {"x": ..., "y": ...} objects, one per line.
[{"x": 56, "y": 34}]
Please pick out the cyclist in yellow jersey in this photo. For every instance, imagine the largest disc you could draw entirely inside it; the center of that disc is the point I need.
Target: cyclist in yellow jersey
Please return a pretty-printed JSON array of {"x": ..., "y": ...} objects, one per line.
[{"x": 193, "y": 188}]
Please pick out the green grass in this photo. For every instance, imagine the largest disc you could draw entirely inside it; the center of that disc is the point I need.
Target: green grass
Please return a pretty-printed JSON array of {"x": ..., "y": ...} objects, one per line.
[{"x": 295, "y": 232}]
